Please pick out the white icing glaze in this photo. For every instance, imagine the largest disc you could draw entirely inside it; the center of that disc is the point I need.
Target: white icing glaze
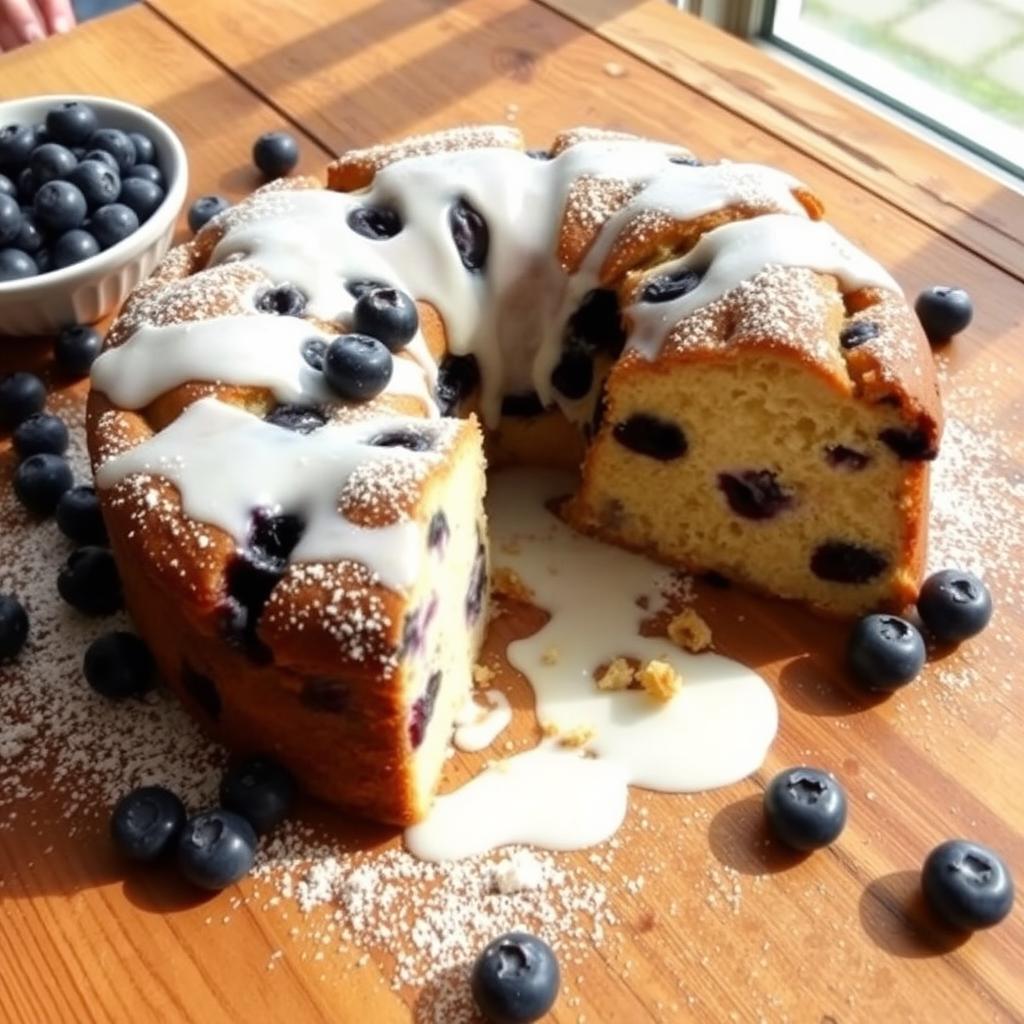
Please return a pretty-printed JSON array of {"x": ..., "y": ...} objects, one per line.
[
  {"x": 477, "y": 727},
  {"x": 715, "y": 731},
  {"x": 735, "y": 252},
  {"x": 226, "y": 463},
  {"x": 259, "y": 351}
]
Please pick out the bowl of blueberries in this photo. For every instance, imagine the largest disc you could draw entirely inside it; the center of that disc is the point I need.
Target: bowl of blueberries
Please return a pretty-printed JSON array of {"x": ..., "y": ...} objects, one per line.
[{"x": 90, "y": 190}]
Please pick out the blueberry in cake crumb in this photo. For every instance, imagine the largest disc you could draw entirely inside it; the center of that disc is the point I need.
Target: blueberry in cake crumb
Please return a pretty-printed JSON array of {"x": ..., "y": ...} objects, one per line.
[
  {"x": 943, "y": 311},
  {"x": 357, "y": 367},
  {"x": 423, "y": 709},
  {"x": 260, "y": 790},
  {"x": 79, "y": 517},
  {"x": 515, "y": 980},
  {"x": 301, "y": 419},
  {"x": 477, "y": 591},
  {"x": 326, "y": 695},
  {"x": 71, "y": 123},
  {"x": 60, "y": 206},
  {"x": 842, "y": 457},
  {"x": 954, "y": 605},
  {"x": 470, "y": 234},
  {"x": 574, "y": 375},
  {"x": 21, "y": 395},
  {"x": 145, "y": 151},
  {"x": 117, "y": 143},
  {"x": 141, "y": 195},
  {"x": 275, "y": 153},
  {"x": 967, "y": 885},
  {"x": 805, "y": 808},
  {"x": 912, "y": 445},
  {"x": 39, "y": 482},
  {"x": 596, "y": 326},
  {"x": 204, "y": 209},
  {"x": 73, "y": 247},
  {"x": 387, "y": 314},
  {"x": 884, "y": 652},
  {"x": 146, "y": 823},
  {"x": 754, "y": 493},
  {"x": 841, "y": 562},
  {"x": 13, "y": 626},
  {"x": 76, "y": 348},
  {"x": 438, "y": 532},
  {"x": 410, "y": 438},
  {"x": 113, "y": 223},
  {"x": 376, "y": 222},
  {"x": 857, "y": 333},
  {"x": 41, "y": 432},
  {"x": 99, "y": 183},
  {"x": 284, "y": 300},
  {"x": 666, "y": 287},
  {"x": 457, "y": 377},
  {"x": 16, "y": 265},
  {"x": 89, "y": 581},
  {"x": 118, "y": 665},
  {"x": 651, "y": 436},
  {"x": 216, "y": 848},
  {"x": 50, "y": 162}
]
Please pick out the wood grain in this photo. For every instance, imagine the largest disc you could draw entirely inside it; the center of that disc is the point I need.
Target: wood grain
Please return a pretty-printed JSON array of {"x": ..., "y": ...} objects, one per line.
[{"x": 838, "y": 935}]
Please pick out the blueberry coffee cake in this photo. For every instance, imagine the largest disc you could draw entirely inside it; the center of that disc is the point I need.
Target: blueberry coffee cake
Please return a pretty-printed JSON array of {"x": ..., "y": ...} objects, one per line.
[{"x": 288, "y": 424}]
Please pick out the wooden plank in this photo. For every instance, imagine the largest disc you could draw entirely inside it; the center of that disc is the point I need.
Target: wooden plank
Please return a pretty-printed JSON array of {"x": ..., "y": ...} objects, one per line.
[
  {"x": 945, "y": 193},
  {"x": 723, "y": 925}
]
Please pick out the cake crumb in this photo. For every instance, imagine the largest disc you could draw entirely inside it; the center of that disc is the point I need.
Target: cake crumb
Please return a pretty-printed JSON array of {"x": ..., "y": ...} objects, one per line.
[
  {"x": 551, "y": 656},
  {"x": 613, "y": 69},
  {"x": 689, "y": 631},
  {"x": 517, "y": 873},
  {"x": 660, "y": 680},
  {"x": 619, "y": 675},
  {"x": 508, "y": 583},
  {"x": 482, "y": 675},
  {"x": 577, "y": 736}
]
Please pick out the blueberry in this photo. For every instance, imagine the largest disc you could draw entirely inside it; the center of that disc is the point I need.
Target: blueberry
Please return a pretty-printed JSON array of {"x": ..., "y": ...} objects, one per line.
[
  {"x": 119, "y": 665},
  {"x": 857, "y": 333},
  {"x": 260, "y": 790},
  {"x": 145, "y": 151},
  {"x": 476, "y": 592},
  {"x": 148, "y": 171},
  {"x": 438, "y": 532},
  {"x": 423, "y": 710},
  {"x": 299, "y": 418},
  {"x": 117, "y": 144},
  {"x": 13, "y": 626},
  {"x": 805, "y": 808},
  {"x": 540, "y": 154},
  {"x": 839, "y": 455},
  {"x": 515, "y": 980},
  {"x": 216, "y": 848},
  {"x": 29, "y": 238},
  {"x": 967, "y": 885},
  {"x": 470, "y": 234},
  {"x": 204, "y": 209},
  {"x": 754, "y": 493},
  {"x": 912, "y": 445},
  {"x": 573, "y": 377},
  {"x": 838, "y": 561},
  {"x": 21, "y": 395},
  {"x": 359, "y": 287},
  {"x": 76, "y": 349},
  {"x": 43, "y": 260},
  {"x": 78, "y": 515},
  {"x": 50, "y": 162},
  {"x": 954, "y": 605},
  {"x": 282, "y": 300},
  {"x": 98, "y": 182},
  {"x": 884, "y": 652},
  {"x": 112, "y": 224},
  {"x": 73, "y": 247},
  {"x": 313, "y": 352},
  {"x": 411, "y": 439},
  {"x": 103, "y": 157},
  {"x": 687, "y": 160},
  {"x": 7, "y": 187},
  {"x": 387, "y": 314},
  {"x": 89, "y": 581},
  {"x": 457, "y": 376},
  {"x": 16, "y": 144},
  {"x": 10, "y": 219},
  {"x": 275, "y": 153},
  {"x": 40, "y": 432},
  {"x": 140, "y": 195},
  {"x": 666, "y": 287},
  {"x": 597, "y": 324},
  {"x": 39, "y": 482},
  {"x": 146, "y": 823},
  {"x": 60, "y": 206},
  {"x": 943, "y": 311},
  {"x": 376, "y": 222},
  {"x": 356, "y": 367},
  {"x": 651, "y": 436},
  {"x": 71, "y": 123},
  {"x": 16, "y": 265},
  {"x": 27, "y": 185}
]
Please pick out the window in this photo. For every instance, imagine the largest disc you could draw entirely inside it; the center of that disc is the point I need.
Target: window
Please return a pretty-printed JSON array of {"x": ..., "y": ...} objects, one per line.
[{"x": 955, "y": 65}]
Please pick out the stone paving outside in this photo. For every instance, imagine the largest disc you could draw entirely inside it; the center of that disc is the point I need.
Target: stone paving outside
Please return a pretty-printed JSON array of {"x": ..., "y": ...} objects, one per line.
[{"x": 973, "y": 49}]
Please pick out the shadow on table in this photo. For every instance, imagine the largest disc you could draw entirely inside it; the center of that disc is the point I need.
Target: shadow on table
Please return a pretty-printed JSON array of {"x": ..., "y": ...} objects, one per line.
[{"x": 739, "y": 839}]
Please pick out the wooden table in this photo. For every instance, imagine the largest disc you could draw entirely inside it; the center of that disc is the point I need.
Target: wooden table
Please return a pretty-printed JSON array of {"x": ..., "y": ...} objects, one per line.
[{"x": 726, "y": 927}]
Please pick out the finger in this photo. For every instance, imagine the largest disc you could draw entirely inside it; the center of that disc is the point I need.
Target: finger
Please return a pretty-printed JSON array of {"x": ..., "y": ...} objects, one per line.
[
  {"x": 58, "y": 14},
  {"x": 24, "y": 19},
  {"x": 8, "y": 38}
]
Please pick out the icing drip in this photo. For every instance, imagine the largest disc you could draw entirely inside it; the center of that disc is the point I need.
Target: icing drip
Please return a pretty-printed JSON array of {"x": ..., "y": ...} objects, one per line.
[
  {"x": 715, "y": 731},
  {"x": 226, "y": 463},
  {"x": 477, "y": 727}
]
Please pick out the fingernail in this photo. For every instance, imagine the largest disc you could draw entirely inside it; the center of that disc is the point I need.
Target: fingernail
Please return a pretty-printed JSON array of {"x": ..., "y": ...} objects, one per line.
[
  {"x": 61, "y": 24},
  {"x": 32, "y": 32}
]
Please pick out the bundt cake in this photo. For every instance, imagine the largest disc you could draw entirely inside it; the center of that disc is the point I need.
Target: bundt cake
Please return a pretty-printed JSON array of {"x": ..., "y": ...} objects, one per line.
[{"x": 285, "y": 427}]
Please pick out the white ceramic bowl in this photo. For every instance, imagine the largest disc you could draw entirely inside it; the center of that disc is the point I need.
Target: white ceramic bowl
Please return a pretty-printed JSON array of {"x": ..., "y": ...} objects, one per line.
[{"x": 86, "y": 291}]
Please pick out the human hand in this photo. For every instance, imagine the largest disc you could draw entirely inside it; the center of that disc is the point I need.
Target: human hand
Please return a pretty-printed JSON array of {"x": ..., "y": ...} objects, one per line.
[{"x": 25, "y": 21}]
